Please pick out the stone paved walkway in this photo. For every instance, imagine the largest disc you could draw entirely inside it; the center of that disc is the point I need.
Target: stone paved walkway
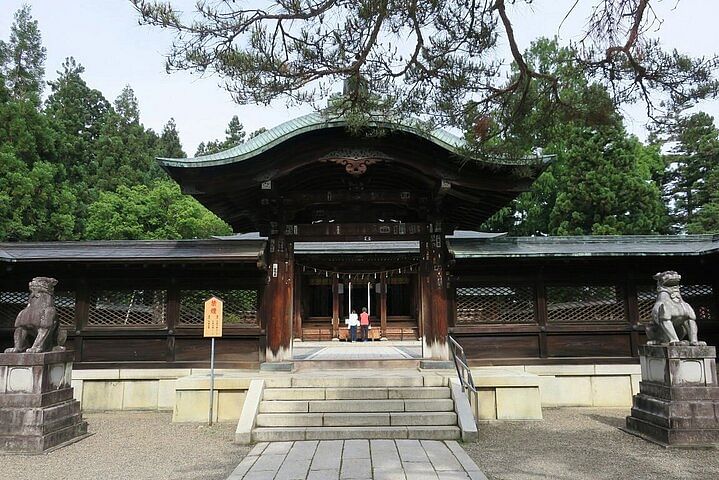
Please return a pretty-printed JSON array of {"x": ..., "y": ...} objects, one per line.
[
  {"x": 357, "y": 350},
  {"x": 358, "y": 460}
]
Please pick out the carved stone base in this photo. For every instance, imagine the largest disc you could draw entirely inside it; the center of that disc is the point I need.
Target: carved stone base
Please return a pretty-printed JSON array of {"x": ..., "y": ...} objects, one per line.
[
  {"x": 37, "y": 408},
  {"x": 678, "y": 400}
]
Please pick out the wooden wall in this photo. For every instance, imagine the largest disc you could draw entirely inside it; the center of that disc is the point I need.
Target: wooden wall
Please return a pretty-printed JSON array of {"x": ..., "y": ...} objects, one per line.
[
  {"x": 550, "y": 326},
  {"x": 531, "y": 327},
  {"x": 148, "y": 316}
]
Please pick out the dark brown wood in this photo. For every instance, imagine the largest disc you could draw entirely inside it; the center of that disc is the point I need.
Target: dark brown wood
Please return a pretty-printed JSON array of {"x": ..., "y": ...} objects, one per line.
[
  {"x": 226, "y": 349},
  {"x": 356, "y": 231},
  {"x": 335, "y": 307},
  {"x": 81, "y": 312},
  {"x": 383, "y": 305},
  {"x": 278, "y": 299},
  {"x": 297, "y": 305},
  {"x": 500, "y": 346},
  {"x": 595, "y": 345},
  {"x": 173, "y": 318},
  {"x": 135, "y": 349},
  {"x": 540, "y": 315},
  {"x": 630, "y": 300},
  {"x": 433, "y": 276}
]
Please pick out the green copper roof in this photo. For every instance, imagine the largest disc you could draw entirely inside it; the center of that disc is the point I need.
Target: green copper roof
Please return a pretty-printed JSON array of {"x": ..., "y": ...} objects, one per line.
[
  {"x": 584, "y": 246},
  {"x": 318, "y": 121}
]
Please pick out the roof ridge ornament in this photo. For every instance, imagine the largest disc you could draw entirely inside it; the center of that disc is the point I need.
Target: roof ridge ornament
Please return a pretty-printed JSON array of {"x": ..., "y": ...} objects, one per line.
[{"x": 355, "y": 160}]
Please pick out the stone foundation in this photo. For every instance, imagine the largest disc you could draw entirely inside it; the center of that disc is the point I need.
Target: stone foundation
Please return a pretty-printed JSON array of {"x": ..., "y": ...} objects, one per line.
[
  {"x": 678, "y": 400},
  {"x": 37, "y": 408}
]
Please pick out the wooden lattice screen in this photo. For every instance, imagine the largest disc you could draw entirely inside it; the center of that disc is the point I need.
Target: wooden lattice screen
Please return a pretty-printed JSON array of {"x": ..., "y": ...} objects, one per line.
[
  {"x": 589, "y": 303},
  {"x": 700, "y": 297},
  {"x": 11, "y": 303},
  {"x": 495, "y": 304},
  {"x": 239, "y": 308},
  {"x": 117, "y": 308}
]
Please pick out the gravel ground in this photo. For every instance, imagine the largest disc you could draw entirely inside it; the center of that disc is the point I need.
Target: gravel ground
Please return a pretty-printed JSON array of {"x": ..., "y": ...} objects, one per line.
[
  {"x": 583, "y": 443},
  {"x": 135, "y": 446},
  {"x": 569, "y": 444}
]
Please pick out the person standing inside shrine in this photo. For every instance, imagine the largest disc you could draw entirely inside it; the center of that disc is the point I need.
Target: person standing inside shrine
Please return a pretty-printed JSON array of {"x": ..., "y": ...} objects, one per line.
[
  {"x": 364, "y": 323},
  {"x": 352, "y": 323}
]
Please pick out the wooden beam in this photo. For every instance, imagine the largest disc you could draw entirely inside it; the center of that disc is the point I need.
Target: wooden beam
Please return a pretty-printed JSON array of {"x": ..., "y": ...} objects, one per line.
[{"x": 332, "y": 231}]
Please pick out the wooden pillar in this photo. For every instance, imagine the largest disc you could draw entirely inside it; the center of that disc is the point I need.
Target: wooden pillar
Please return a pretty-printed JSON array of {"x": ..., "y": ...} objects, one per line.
[
  {"x": 82, "y": 311},
  {"x": 277, "y": 299},
  {"x": 383, "y": 305},
  {"x": 433, "y": 296},
  {"x": 173, "y": 318},
  {"x": 631, "y": 303},
  {"x": 335, "y": 307},
  {"x": 540, "y": 312},
  {"x": 297, "y": 305}
]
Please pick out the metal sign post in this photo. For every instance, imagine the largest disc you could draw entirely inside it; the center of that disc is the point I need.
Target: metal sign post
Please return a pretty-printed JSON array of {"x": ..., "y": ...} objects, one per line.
[{"x": 212, "y": 329}]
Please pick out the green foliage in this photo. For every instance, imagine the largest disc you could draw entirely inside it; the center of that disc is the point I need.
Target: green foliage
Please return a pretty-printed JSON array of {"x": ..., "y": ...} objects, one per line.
[
  {"x": 601, "y": 181},
  {"x": 125, "y": 150},
  {"x": 692, "y": 161},
  {"x": 428, "y": 59},
  {"x": 159, "y": 211},
  {"x": 35, "y": 204},
  {"x": 605, "y": 186},
  {"x": 169, "y": 145},
  {"x": 234, "y": 135},
  {"x": 22, "y": 58},
  {"x": 81, "y": 156}
]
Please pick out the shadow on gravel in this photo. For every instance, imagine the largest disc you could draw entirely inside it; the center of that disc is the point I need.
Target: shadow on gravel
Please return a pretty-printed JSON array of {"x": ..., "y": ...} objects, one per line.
[{"x": 610, "y": 421}]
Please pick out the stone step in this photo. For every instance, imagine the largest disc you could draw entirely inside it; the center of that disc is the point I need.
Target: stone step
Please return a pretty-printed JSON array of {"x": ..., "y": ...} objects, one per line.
[
  {"x": 289, "y": 420},
  {"x": 356, "y": 406},
  {"x": 264, "y": 434},
  {"x": 356, "y": 419},
  {"x": 369, "y": 393},
  {"x": 357, "y": 382},
  {"x": 423, "y": 418}
]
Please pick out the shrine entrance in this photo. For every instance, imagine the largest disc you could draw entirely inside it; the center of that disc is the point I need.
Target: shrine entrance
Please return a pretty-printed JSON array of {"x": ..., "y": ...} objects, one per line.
[
  {"x": 329, "y": 287},
  {"x": 347, "y": 212}
]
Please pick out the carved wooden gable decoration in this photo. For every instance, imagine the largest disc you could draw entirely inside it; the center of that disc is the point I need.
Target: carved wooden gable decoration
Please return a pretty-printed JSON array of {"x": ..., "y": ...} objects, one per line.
[{"x": 355, "y": 161}]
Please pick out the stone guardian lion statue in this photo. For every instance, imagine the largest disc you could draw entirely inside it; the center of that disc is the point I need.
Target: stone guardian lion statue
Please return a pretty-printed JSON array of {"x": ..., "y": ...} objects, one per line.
[
  {"x": 39, "y": 320},
  {"x": 672, "y": 318}
]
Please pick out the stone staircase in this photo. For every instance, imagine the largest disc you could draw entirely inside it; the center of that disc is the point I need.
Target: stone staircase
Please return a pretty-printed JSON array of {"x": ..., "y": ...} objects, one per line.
[{"x": 345, "y": 407}]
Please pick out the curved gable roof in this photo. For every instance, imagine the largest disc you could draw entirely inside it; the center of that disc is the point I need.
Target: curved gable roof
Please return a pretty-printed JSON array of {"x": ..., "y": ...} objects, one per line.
[{"x": 317, "y": 121}]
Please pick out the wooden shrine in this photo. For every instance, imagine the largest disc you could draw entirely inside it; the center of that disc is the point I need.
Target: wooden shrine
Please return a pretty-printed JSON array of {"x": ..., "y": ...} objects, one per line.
[{"x": 327, "y": 220}]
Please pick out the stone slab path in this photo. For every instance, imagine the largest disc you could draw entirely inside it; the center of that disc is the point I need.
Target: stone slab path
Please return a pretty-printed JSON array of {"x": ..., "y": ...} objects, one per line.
[
  {"x": 357, "y": 350},
  {"x": 358, "y": 460}
]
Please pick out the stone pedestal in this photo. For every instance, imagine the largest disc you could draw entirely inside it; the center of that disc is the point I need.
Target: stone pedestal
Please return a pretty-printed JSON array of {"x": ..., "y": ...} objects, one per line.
[
  {"x": 678, "y": 400},
  {"x": 37, "y": 408}
]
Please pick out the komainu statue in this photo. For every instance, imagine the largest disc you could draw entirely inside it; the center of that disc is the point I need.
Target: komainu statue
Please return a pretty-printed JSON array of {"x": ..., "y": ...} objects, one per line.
[
  {"x": 39, "y": 320},
  {"x": 673, "y": 319}
]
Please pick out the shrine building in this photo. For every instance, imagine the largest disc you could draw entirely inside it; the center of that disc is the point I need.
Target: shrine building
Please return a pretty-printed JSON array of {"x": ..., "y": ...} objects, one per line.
[{"x": 329, "y": 220}]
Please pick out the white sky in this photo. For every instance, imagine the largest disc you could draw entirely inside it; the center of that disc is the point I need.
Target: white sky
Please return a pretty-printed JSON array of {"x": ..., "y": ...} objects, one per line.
[{"x": 104, "y": 36}]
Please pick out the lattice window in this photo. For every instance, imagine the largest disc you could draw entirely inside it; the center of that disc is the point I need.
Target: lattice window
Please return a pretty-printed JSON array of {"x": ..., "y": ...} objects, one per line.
[
  {"x": 599, "y": 304},
  {"x": 11, "y": 303},
  {"x": 120, "y": 308},
  {"x": 239, "y": 307},
  {"x": 65, "y": 307},
  {"x": 646, "y": 296},
  {"x": 700, "y": 297},
  {"x": 496, "y": 304}
]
